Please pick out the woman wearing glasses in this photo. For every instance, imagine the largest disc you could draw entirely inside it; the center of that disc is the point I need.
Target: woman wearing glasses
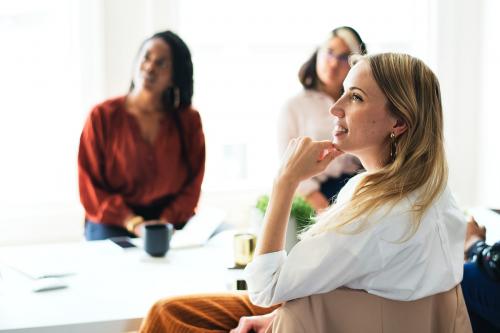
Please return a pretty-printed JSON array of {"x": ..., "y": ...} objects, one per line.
[{"x": 306, "y": 114}]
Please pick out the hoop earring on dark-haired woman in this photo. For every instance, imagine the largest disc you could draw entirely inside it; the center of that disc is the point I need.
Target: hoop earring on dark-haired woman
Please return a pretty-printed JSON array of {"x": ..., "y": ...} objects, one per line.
[{"x": 177, "y": 97}]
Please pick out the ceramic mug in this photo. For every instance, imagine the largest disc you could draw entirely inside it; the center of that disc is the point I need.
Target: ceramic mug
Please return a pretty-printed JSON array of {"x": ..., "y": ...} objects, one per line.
[{"x": 157, "y": 239}]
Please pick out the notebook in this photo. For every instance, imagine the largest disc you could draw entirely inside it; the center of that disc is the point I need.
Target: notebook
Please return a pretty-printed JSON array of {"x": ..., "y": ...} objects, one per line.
[{"x": 199, "y": 229}]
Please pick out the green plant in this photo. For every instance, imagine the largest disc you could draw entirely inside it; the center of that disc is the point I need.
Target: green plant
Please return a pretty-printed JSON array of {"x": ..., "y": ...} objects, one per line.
[{"x": 301, "y": 211}]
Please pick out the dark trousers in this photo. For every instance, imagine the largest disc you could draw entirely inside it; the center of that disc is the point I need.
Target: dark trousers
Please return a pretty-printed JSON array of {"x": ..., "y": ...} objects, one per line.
[
  {"x": 482, "y": 297},
  {"x": 100, "y": 231},
  {"x": 331, "y": 187}
]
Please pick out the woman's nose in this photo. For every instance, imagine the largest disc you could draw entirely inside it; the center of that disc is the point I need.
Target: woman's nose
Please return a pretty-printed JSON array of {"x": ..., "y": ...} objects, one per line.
[
  {"x": 148, "y": 66},
  {"x": 333, "y": 62},
  {"x": 337, "y": 111}
]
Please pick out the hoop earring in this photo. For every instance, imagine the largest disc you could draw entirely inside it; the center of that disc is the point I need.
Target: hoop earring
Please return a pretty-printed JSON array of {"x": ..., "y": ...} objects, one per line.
[
  {"x": 393, "y": 146},
  {"x": 177, "y": 97}
]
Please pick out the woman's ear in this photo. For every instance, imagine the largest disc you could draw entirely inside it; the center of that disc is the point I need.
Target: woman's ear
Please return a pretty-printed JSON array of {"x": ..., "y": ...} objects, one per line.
[{"x": 399, "y": 127}]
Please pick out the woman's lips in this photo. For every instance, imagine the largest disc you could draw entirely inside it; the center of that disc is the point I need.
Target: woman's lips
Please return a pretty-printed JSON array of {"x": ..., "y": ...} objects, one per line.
[
  {"x": 149, "y": 78},
  {"x": 339, "y": 130}
]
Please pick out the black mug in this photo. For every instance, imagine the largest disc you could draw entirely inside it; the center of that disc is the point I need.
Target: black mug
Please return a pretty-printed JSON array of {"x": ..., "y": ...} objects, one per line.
[{"x": 157, "y": 239}]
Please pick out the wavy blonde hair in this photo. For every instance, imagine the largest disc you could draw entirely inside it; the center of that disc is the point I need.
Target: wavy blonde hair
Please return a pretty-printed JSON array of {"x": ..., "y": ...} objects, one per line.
[{"x": 413, "y": 95}]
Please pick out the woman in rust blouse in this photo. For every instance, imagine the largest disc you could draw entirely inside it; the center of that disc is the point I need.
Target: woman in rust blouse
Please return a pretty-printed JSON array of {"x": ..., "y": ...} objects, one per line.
[{"x": 142, "y": 156}]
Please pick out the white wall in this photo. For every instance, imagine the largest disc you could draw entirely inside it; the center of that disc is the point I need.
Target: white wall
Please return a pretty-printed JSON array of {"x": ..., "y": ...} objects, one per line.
[
  {"x": 41, "y": 119},
  {"x": 457, "y": 28},
  {"x": 488, "y": 112},
  {"x": 125, "y": 24},
  {"x": 466, "y": 52}
]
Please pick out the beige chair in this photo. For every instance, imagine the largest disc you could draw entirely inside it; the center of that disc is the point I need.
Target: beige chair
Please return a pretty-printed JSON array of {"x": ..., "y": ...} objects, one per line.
[{"x": 354, "y": 311}]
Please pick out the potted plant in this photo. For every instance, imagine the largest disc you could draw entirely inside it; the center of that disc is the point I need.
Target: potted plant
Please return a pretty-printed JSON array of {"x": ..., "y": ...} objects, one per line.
[{"x": 301, "y": 216}]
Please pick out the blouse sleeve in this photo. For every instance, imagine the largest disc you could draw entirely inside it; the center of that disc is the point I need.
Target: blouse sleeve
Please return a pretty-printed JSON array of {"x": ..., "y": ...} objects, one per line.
[
  {"x": 287, "y": 130},
  {"x": 315, "y": 265},
  {"x": 182, "y": 208},
  {"x": 100, "y": 205}
]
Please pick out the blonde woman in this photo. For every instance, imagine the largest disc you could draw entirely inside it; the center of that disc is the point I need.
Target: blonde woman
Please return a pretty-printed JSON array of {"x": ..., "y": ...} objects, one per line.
[
  {"x": 307, "y": 113},
  {"x": 394, "y": 230}
]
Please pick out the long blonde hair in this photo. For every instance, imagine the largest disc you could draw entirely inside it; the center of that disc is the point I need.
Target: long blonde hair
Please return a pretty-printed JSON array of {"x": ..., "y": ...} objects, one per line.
[{"x": 413, "y": 95}]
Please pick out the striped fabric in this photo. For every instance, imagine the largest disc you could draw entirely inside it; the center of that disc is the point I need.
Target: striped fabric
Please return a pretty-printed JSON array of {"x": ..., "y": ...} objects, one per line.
[{"x": 202, "y": 313}]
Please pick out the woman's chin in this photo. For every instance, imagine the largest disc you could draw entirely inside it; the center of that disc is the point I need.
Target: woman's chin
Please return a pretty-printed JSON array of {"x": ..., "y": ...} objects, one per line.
[
  {"x": 337, "y": 142},
  {"x": 341, "y": 145},
  {"x": 148, "y": 89}
]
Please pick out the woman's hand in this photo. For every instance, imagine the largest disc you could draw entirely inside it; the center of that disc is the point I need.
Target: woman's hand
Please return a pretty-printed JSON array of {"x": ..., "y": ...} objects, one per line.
[
  {"x": 305, "y": 158},
  {"x": 257, "y": 324},
  {"x": 139, "y": 229}
]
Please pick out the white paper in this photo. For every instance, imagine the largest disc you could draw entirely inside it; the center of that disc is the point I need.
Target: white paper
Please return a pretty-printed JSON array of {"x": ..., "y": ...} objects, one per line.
[{"x": 199, "y": 229}]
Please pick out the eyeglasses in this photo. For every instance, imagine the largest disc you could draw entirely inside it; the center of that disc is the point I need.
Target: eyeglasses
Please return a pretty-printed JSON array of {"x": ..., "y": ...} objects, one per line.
[{"x": 330, "y": 55}]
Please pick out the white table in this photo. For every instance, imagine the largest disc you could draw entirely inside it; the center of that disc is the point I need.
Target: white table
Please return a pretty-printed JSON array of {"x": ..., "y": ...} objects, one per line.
[{"x": 111, "y": 290}]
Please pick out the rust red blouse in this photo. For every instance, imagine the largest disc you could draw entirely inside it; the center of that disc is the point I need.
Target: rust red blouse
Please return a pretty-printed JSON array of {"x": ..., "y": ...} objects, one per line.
[{"x": 120, "y": 173}]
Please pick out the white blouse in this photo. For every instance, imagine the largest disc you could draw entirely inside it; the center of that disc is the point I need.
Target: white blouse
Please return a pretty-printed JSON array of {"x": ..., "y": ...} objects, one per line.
[
  {"x": 308, "y": 114},
  {"x": 375, "y": 260}
]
